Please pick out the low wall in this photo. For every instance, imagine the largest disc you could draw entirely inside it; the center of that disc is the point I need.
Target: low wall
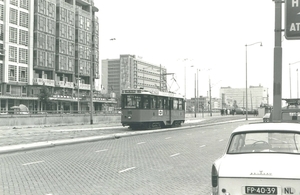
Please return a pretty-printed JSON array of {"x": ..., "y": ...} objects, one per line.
[
  {"x": 68, "y": 119},
  {"x": 63, "y": 119}
]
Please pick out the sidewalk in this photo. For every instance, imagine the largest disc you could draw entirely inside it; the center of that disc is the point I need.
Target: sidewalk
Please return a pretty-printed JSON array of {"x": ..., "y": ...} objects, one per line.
[{"x": 14, "y": 139}]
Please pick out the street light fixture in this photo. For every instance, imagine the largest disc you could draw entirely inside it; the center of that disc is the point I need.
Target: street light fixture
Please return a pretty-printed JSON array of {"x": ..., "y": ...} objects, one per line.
[
  {"x": 291, "y": 80},
  {"x": 247, "y": 78}
]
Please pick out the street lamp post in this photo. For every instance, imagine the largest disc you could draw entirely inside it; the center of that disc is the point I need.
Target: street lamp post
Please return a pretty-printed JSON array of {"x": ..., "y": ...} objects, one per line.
[
  {"x": 195, "y": 96},
  {"x": 247, "y": 78}
]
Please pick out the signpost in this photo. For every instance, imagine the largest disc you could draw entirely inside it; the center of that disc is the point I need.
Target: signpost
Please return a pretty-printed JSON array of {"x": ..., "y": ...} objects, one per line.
[{"x": 292, "y": 19}]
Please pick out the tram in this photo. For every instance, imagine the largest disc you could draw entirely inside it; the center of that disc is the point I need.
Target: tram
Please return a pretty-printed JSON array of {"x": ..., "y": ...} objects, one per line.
[{"x": 151, "y": 109}]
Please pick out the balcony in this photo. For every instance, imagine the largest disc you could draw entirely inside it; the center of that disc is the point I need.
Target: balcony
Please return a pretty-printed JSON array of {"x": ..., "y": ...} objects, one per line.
[
  {"x": 84, "y": 86},
  {"x": 64, "y": 84},
  {"x": 41, "y": 81}
]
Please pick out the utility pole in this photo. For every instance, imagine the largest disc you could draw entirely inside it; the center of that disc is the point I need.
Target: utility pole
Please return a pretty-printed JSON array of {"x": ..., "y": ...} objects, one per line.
[
  {"x": 197, "y": 91},
  {"x": 160, "y": 77},
  {"x": 195, "y": 96},
  {"x": 277, "y": 91},
  {"x": 210, "y": 110}
]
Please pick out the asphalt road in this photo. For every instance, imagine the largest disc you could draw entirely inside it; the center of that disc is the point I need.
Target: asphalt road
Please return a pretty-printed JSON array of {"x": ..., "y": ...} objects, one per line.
[
  {"x": 166, "y": 162},
  {"x": 14, "y": 139}
]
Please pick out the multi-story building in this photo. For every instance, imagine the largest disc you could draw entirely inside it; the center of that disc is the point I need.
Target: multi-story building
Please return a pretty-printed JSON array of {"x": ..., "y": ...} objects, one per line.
[
  {"x": 131, "y": 72},
  {"x": 257, "y": 95},
  {"x": 53, "y": 44}
]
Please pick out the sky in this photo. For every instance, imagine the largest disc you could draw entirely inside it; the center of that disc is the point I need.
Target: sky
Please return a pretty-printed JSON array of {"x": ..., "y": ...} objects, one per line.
[{"x": 186, "y": 35}]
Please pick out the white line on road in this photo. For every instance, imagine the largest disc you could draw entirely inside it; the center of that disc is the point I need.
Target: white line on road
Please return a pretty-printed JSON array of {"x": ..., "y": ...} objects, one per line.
[
  {"x": 33, "y": 163},
  {"x": 141, "y": 143},
  {"x": 127, "y": 169},
  {"x": 101, "y": 150},
  {"x": 175, "y": 154},
  {"x": 202, "y": 146},
  {"x": 168, "y": 138},
  {"x": 221, "y": 140}
]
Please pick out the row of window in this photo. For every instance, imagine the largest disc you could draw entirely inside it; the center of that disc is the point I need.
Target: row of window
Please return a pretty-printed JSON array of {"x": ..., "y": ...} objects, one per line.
[
  {"x": 46, "y": 8},
  {"x": 66, "y": 16},
  {"x": 67, "y": 31},
  {"x": 151, "y": 102},
  {"x": 84, "y": 23},
  {"x": 13, "y": 55},
  {"x": 66, "y": 63},
  {"x": 44, "y": 59},
  {"x": 1, "y": 12},
  {"x": 13, "y": 36},
  {"x": 44, "y": 41},
  {"x": 13, "y": 18},
  {"x": 84, "y": 37},
  {"x": 44, "y": 24},
  {"x": 23, "y": 3}
]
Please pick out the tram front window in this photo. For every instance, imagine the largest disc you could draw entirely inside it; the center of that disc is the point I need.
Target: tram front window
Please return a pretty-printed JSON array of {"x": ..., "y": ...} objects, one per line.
[{"x": 132, "y": 101}]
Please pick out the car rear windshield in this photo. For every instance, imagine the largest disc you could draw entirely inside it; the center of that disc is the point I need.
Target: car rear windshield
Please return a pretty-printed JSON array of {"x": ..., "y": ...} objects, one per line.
[{"x": 273, "y": 142}]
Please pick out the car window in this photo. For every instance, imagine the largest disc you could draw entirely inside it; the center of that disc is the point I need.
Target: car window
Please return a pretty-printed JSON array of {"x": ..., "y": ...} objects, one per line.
[{"x": 282, "y": 142}]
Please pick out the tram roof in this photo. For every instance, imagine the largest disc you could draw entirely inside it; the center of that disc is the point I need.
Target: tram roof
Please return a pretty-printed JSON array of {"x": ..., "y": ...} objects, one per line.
[{"x": 151, "y": 92}]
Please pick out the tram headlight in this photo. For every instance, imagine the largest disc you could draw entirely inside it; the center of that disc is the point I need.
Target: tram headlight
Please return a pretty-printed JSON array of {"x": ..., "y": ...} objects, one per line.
[{"x": 129, "y": 117}]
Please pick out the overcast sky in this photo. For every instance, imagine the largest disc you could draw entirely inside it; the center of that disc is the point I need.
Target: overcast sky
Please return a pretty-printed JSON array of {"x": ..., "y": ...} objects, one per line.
[{"x": 211, "y": 34}]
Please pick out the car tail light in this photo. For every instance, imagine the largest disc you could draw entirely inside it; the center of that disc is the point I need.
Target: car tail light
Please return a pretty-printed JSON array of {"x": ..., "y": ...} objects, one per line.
[{"x": 214, "y": 177}]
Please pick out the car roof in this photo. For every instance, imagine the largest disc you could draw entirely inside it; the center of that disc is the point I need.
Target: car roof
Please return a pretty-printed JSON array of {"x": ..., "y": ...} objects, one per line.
[{"x": 268, "y": 127}]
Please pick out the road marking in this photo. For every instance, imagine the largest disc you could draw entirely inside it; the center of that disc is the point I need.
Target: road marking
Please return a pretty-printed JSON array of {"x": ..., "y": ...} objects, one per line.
[
  {"x": 141, "y": 143},
  {"x": 202, "y": 146},
  {"x": 168, "y": 138},
  {"x": 221, "y": 140},
  {"x": 33, "y": 163},
  {"x": 175, "y": 154},
  {"x": 127, "y": 169},
  {"x": 101, "y": 150}
]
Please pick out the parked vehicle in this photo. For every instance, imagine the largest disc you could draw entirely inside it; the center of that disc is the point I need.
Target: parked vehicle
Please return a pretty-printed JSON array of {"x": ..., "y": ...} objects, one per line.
[
  {"x": 145, "y": 109},
  {"x": 289, "y": 113},
  {"x": 261, "y": 158}
]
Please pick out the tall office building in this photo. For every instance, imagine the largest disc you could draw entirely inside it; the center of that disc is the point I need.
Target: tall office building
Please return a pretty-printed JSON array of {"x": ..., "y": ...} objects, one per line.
[
  {"x": 48, "y": 43},
  {"x": 131, "y": 72},
  {"x": 257, "y": 95}
]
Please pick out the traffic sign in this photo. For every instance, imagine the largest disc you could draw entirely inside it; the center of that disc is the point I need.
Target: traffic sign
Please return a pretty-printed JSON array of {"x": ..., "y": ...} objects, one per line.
[{"x": 292, "y": 19}]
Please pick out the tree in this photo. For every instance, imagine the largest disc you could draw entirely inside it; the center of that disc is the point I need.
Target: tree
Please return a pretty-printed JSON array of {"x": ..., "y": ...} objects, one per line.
[{"x": 44, "y": 96}]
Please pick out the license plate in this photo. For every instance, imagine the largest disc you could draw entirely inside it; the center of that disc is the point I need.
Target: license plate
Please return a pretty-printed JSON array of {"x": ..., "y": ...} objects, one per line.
[{"x": 260, "y": 190}]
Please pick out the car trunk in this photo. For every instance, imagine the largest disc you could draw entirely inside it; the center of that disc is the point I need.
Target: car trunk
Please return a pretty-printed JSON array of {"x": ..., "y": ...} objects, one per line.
[{"x": 246, "y": 173}]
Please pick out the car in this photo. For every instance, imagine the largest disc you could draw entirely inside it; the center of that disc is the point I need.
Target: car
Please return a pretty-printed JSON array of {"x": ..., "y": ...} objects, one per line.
[{"x": 260, "y": 158}]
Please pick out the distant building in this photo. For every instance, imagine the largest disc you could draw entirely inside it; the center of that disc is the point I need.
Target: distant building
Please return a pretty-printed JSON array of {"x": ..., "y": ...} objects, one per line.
[
  {"x": 232, "y": 97},
  {"x": 203, "y": 104},
  {"x": 131, "y": 72}
]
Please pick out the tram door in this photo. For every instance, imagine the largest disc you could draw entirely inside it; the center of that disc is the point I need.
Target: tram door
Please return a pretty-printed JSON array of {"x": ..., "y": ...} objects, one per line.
[{"x": 170, "y": 109}]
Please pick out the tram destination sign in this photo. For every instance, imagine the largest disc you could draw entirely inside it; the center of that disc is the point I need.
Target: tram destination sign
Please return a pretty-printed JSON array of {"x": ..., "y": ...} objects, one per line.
[{"x": 292, "y": 19}]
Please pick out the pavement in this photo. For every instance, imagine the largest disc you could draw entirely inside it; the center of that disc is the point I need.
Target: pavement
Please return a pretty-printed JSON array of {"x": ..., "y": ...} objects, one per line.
[{"x": 23, "y": 138}]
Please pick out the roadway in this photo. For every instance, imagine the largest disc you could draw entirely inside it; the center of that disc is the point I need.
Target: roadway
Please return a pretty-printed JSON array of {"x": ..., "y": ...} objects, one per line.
[
  {"x": 22, "y": 138},
  {"x": 163, "y": 162}
]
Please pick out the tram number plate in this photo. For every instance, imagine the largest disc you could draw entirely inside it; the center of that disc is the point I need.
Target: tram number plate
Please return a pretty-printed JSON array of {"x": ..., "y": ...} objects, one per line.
[{"x": 260, "y": 190}]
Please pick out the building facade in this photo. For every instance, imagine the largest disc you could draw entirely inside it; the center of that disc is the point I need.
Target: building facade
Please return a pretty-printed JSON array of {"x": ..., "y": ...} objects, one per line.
[
  {"x": 232, "y": 97},
  {"x": 52, "y": 44},
  {"x": 131, "y": 72}
]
